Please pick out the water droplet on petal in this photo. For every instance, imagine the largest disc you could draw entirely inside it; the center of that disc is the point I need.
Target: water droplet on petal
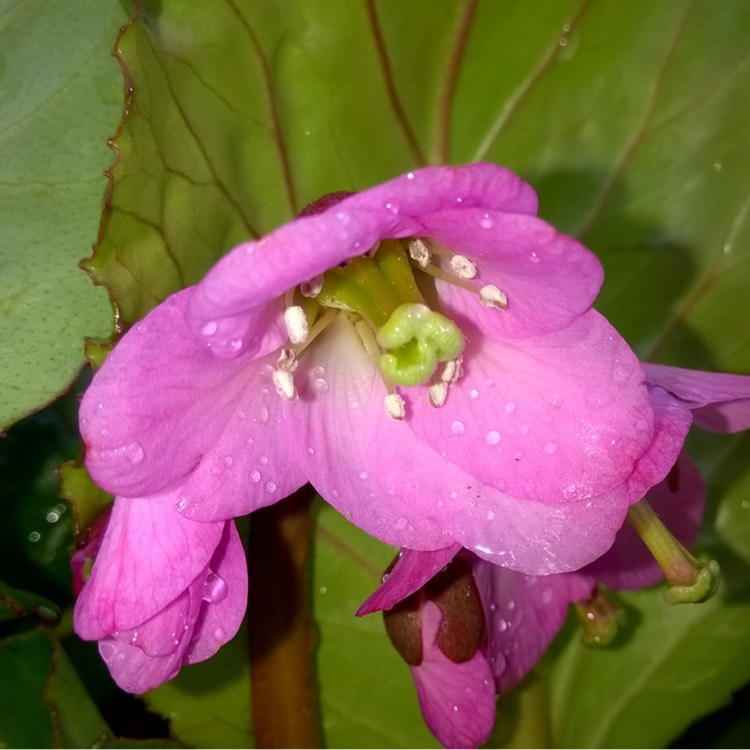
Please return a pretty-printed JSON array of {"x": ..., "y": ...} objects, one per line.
[
  {"x": 474, "y": 393},
  {"x": 363, "y": 475},
  {"x": 320, "y": 385},
  {"x": 490, "y": 515},
  {"x": 107, "y": 650},
  {"x": 546, "y": 595},
  {"x": 219, "y": 634},
  {"x": 486, "y": 222},
  {"x": 550, "y": 448},
  {"x": 255, "y": 476},
  {"x": 210, "y": 328},
  {"x": 401, "y": 523},
  {"x": 134, "y": 452},
  {"x": 492, "y": 437},
  {"x": 458, "y": 428},
  {"x": 263, "y": 460},
  {"x": 214, "y": 588},
  {"x": 510, "y": 407},
  {"x": 502, "y": 625},
  {"x": 271, "y": 486}
]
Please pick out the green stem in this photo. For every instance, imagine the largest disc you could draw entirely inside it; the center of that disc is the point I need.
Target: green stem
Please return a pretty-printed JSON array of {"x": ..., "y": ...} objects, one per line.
[{"x": 282, "y": 635}]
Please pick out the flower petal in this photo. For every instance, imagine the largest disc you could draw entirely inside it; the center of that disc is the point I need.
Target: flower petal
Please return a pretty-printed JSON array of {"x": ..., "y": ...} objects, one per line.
[
  {"x": 224, "y": 307},
  {"x": 412, "y": 570},
  {"x": 679, "y": 501},
  {"x": 163, "y": 408},
  {"x": 725, "y": 398},
  {"x": 559, "y": 417},
  {"x": 457, "y": 700},
  {"x": 548, "y": 278},
  {"x": 390, "y": 483},
  {"x": 220, "y": 618},
  {"x": 150, "y": 555},
  {"x": 524, "y": 613}
]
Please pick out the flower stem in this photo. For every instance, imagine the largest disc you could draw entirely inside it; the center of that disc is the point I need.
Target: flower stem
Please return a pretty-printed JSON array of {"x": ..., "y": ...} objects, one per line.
[
  {"x": 690, "y": 580},
  {"x": 282, "y": 635}
]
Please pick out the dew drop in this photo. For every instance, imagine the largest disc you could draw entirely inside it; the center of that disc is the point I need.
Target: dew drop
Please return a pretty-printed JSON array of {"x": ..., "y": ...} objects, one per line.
[
  {"x": 323, "y": 590},
  {"x": 458, "y": 428},
  {"x": 263, "y": 460},
  {"x": 255, "y": 476},
  {"x": 490, "y": 515},
  {"x": 210, "y": 328},
  {"x": 486, "y": 222},
  {"x": 510, "y": 407},
  {"x": 492, "y": 437},
  {"x": 534, "y": 258},
  {"x": 271, "y": 486},
  {"x": 52, "y": 517},
  {"x": 319, "y": 372},
  {"x": 261, "y": 415},
  {"x": 134, "y": 452},
  {"x": 363, "y": 475},
  {"x": 401, "y": 523},
  {"x": 228, "y": 460},
  {"x": 474, "y": 393},
  {"x": 311, "y": 451},
  {"x": 107, "y": 650},
  {"x": 219, "y": 634},
  {"x": 241, "y": 414},
  {"x": 320, "y": 385},
  {"x": 34, "y": 536},
  {"x": 550, "y": 448},
  {"x": 214, "y": 588},
  {"x": 518, "y": 455},
  {"x": 502, "y": 625},
  {"x": 546, "y": 595}
]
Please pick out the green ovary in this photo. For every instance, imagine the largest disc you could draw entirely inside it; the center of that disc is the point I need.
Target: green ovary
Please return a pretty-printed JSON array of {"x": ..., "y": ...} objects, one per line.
[{"x": 417, "y": 339}]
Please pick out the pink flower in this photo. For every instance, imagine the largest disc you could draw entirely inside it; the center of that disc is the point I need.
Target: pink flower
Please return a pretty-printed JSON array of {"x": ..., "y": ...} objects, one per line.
[
  {"x": 540, "y": 426},
  {"x": 424, "y": 353},
  {"x": 522, "y": 613},
  {"x": 164, "y": 591}
]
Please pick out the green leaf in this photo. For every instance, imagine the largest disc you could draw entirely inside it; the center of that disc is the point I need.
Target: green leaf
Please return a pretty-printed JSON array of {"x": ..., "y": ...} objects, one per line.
[
  {"x": 76, "y": 718},
  {"x": 60, "y": 102},
  {"x": 24, "y": 665},
  {"x": 17, "y": 603},
  {"x": 87, "y": 500},
  {"x": 367, "y": 693}
]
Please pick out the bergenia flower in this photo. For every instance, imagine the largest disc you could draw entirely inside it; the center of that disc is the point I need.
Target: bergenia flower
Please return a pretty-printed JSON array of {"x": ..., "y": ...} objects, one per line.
[
  {"x": 424, "y": 353},
  {"x": 432, "y": 594},
  {"x": 163, "y": 592}
]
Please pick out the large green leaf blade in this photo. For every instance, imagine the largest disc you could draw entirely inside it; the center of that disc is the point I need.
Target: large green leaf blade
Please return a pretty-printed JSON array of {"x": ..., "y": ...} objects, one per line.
[{"x": 58, "y": 104}]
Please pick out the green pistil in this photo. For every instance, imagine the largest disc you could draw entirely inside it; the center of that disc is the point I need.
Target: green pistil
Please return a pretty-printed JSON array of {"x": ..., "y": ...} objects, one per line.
[
  {"x": 417, "y": 339},
  {"x": 372, "y": 286},
  {"x": 690, "y": 580}
]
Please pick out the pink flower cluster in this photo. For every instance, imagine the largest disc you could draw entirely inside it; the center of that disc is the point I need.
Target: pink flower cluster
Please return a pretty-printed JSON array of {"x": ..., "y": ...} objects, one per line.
[{"x": 426, "y": 355}]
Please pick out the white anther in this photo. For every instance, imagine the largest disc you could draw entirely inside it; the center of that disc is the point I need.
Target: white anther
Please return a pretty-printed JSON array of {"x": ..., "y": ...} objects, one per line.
[
  {"x": 312, "y": 287},
  {"x": 395, "y": 406},
  {"x": 451, "y": 372},
  {"x": 463, "y": 267},
  {"x": 438, "y": 393},
  {"x": 491, "y": 296},
  {"x": 295, "y": 321},
  {"x": 419, "y": 252},
  {"x": 283, "y": 382},
  {"x": 287, "y": 361}
]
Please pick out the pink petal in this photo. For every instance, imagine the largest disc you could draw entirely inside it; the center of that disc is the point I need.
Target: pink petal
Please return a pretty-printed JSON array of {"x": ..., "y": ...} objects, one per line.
[
  {"x": 549, "y": 278},
  {"x": 721, "y": 402},
  {"x": 412, "y": 570},
  {"x": 137, "y": 671},
  {"x": 524, "y": 613},
  {"x": 225, "y": 306},
  {"x": 457, "y": 700},
  {"x": 220, "y": 618},
  {"x": 387, "y": 481},
  {"x": 679, "y": 502},
  {"x": 149, "y": 556},
  {"x": 163, "y": 408},
  {"x": 557, "y": 418}
]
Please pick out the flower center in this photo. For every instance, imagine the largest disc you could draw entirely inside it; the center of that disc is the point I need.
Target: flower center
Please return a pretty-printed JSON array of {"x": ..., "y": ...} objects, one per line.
[{"x": 378, "y": 292}]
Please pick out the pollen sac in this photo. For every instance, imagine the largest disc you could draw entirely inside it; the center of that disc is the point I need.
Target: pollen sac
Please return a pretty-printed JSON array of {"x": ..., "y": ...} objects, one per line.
[{"x": 417, "y": 339}]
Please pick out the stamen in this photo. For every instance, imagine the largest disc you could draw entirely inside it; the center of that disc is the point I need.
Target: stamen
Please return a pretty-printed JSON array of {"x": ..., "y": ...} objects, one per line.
[
  {"x": 283, "y": 382},
  {"x": 419, "y": 252},
  {"x": 690, "y": 580},
  {"x": 438, "y": 393},
  {"x": 491, "y": 296},
  {"x": 312, "y": 287},
  {"x": 463, "y": 267},
  {"x": 395, "y": 406},
  {"x": 439, "y": 273},
  {"x": 287, "y": 361},
  {"x": 296, "y": 324},
  {"x": 451, "y": 372}
]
